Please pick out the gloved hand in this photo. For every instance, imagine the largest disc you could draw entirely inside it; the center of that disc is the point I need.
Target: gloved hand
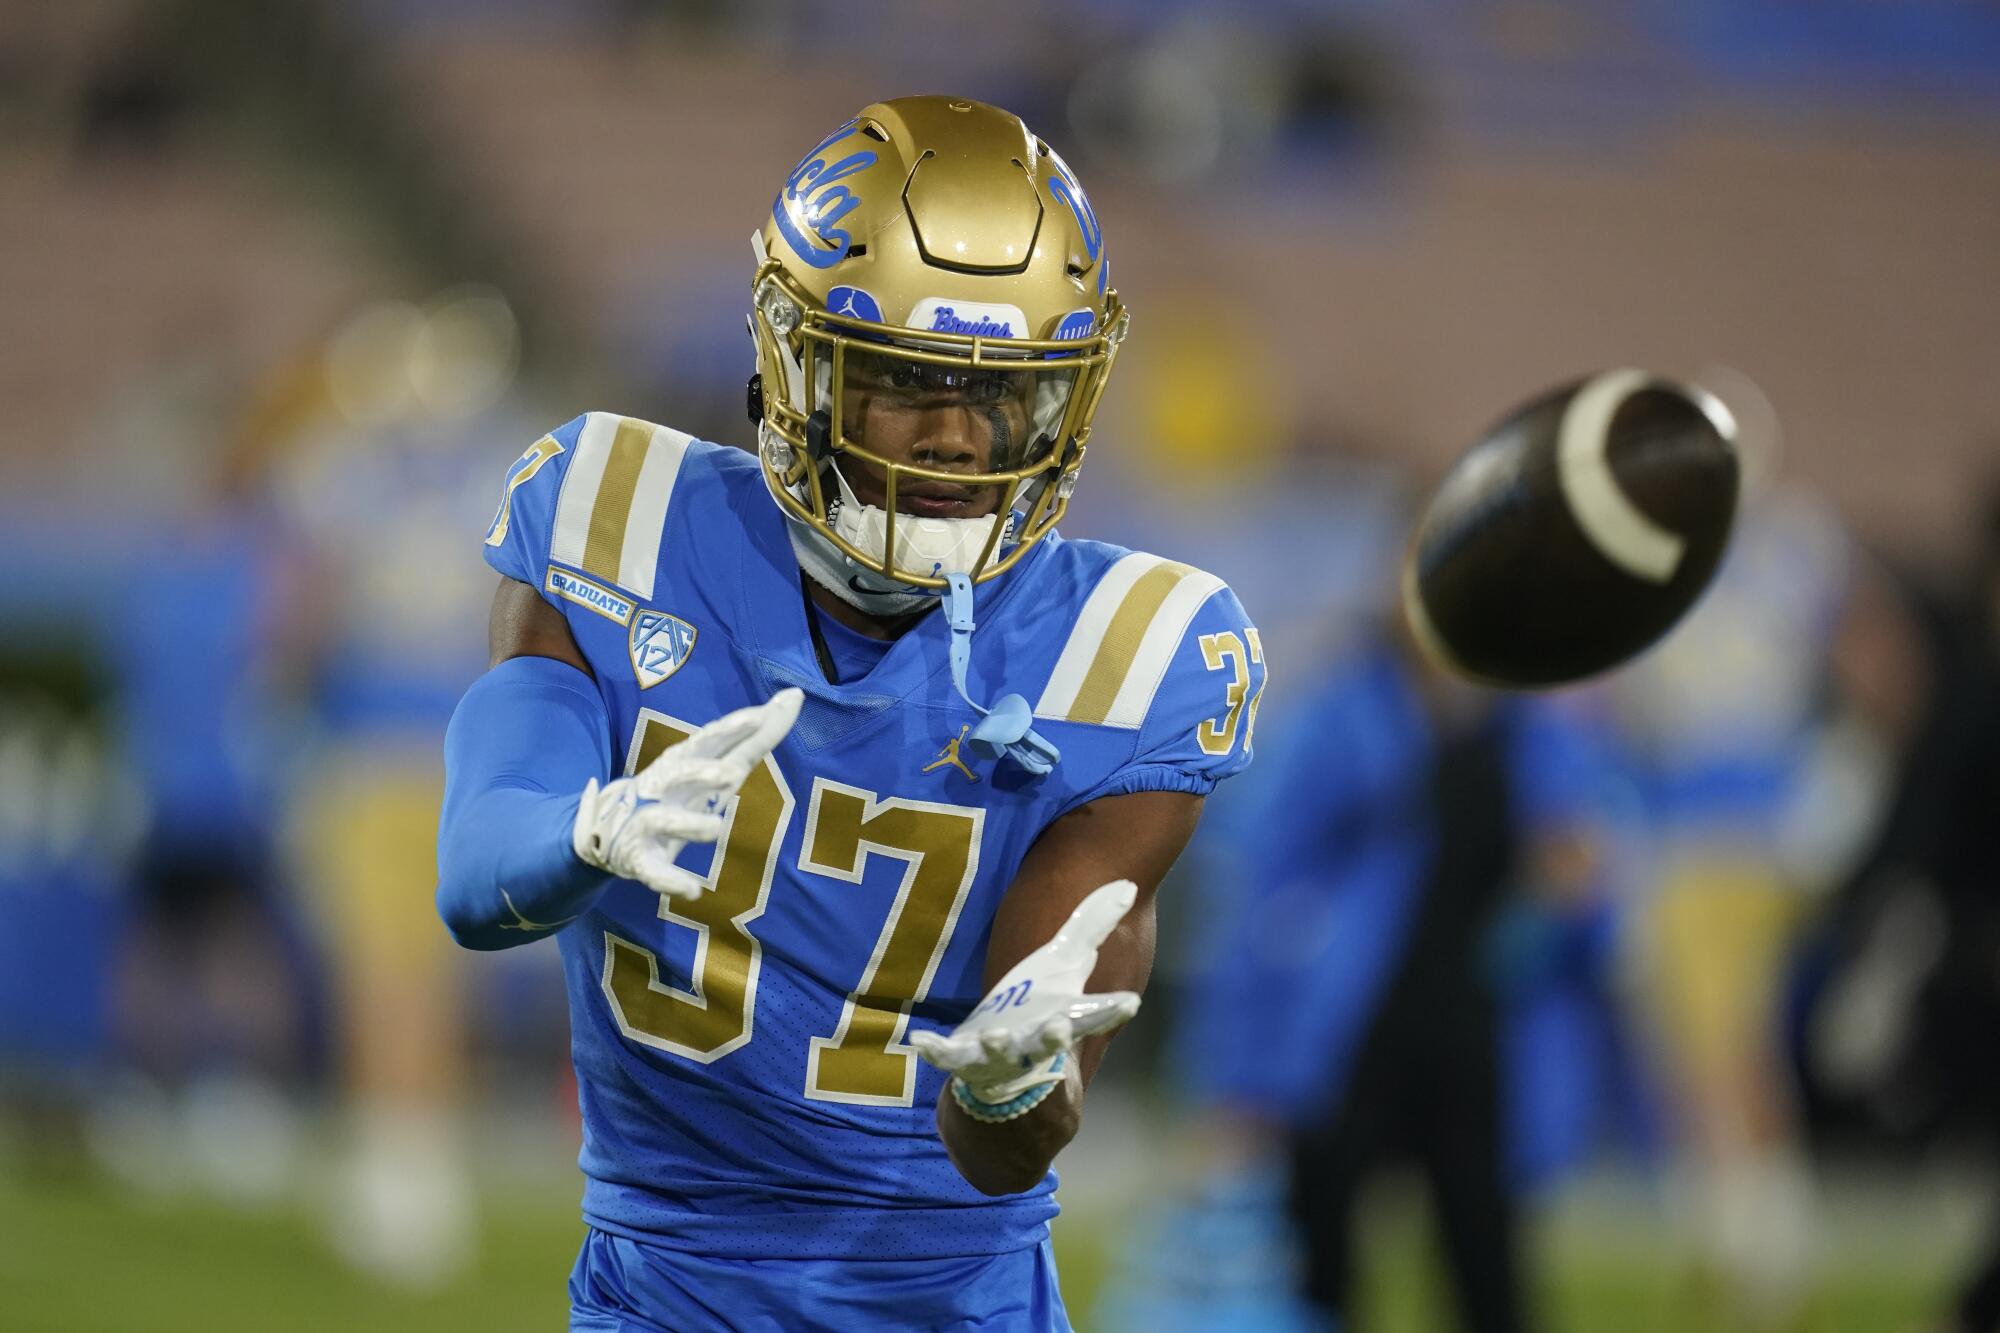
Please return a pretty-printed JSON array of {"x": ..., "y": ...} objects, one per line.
[
  {"x": 1018, "y": 1038},
  {"x": 634, "y": 827}
]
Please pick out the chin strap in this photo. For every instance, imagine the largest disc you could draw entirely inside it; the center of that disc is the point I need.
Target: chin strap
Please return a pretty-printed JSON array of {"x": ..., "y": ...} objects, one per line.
[{"x": 1007, "y": 728}]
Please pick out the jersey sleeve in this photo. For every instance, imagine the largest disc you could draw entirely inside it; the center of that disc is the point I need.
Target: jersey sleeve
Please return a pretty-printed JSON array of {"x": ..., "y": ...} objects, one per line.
[
  {"x": 523, "y": 528},
  {"x": 1200, "y": 726}
]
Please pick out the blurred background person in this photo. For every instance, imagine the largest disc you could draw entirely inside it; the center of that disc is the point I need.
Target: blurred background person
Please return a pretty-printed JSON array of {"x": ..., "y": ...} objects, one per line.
[
  {"x": 183, "y": 607},
  {"x": 379, "y": 439},
  {"x": 1760, "y": 737},
  {"x": 1960, "y": 1001},
  {"x": 216, "y": 1002},
  {"x": 1900, "y": 1028},
  {"x": 1414, "y": 855}
]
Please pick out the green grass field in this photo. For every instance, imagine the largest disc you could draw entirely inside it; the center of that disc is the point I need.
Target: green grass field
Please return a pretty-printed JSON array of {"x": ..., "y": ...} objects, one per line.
[{"x": 77, "y": 1257}]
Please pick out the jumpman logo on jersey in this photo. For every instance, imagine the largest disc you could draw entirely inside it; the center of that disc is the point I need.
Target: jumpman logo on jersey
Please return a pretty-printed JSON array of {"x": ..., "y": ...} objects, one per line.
[{"x": 949, "y": 755}]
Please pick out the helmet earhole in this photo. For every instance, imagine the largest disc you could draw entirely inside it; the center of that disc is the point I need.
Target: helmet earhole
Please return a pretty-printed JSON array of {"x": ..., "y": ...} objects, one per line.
[
  {"x": 755, "y": 399},
  {"x": 819, "y": 436}
]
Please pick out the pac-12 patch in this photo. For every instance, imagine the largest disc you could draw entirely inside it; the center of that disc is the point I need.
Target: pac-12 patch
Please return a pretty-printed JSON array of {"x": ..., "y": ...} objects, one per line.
[{"x": 660, "y": 644}]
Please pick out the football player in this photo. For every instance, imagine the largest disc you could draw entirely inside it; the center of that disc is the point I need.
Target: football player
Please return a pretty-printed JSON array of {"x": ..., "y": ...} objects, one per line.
[{"x": 842, "y": 780}]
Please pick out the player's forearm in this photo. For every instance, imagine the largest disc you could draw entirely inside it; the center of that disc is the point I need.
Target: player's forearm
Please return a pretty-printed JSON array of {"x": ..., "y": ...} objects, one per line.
[
  {"x": 1012, "y": 1156},
  {"x": 525, "y": 739},
  {"x": 506, "y": 875}
]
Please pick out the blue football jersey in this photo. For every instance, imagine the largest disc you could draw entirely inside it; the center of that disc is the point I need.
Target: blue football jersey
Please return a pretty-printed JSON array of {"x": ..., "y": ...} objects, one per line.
[{"x": 745, "y": 1084}]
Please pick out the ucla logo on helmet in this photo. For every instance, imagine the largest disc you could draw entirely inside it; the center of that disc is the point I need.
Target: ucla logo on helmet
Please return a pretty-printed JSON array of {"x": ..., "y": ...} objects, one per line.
[
  {"x": 854, "y": 303},
  {"x": 1063, "y": 185},
  {"x": 812, "y": 201},
  {"x": 660, "y": 645}
]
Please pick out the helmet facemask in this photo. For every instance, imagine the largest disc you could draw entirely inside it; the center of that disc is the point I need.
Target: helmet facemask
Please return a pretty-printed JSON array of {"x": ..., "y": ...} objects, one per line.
[{"x": 997, "y": 465}]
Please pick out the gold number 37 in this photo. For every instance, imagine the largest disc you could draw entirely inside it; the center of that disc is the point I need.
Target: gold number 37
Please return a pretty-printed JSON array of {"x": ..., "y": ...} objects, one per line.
[
  {"x": 1225, "y": 651},
  {"x": 863, "y": 1060}
]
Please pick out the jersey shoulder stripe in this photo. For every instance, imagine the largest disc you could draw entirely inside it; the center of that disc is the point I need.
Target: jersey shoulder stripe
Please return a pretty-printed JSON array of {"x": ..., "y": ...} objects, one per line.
[
  {"x": 613, "y": 508},
  {"x": 1118, "y": 649}
]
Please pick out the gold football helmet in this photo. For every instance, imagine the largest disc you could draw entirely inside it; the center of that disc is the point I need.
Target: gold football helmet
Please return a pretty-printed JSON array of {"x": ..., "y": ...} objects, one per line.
[{"x": 930, "y": 249}]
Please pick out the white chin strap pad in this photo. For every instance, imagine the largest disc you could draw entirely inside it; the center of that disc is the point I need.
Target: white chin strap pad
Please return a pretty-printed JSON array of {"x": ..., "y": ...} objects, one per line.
[
  {"x": 934, "y": 546},
  {"x": 938, "y": 546}
]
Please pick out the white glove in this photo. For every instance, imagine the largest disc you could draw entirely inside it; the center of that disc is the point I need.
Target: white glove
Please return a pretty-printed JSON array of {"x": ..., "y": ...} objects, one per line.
[
  {"x": 1009, "y": 1045},
  {"x": 634, "y": 827}
]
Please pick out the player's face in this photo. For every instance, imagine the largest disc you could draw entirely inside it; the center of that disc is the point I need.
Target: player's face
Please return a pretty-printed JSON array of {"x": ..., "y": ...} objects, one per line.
[{"x": 946, "y": 418}]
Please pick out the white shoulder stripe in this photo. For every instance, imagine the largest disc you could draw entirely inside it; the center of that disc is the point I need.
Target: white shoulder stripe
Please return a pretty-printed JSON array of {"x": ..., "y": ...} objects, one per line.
[
  {"x": 580, "y": 486},
  {"x": 1118, "y": 651},
  {"x": 613, "y": 509},
  {"x": 1087, "y": 635},
  {"x": 1156, "y": 650}
]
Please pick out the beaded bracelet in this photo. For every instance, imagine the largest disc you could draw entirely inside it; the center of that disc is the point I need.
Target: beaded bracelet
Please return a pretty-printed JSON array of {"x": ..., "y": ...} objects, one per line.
[{"x": 994, "y": 1113}]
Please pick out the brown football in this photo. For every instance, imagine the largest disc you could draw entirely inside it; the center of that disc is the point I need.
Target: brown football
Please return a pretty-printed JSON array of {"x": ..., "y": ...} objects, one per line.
[{"x": 1576, "y": 532}]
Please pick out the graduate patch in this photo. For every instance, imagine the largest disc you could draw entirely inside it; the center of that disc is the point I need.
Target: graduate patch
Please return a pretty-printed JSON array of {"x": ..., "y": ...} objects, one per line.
[{"x": 591, "y": 596}]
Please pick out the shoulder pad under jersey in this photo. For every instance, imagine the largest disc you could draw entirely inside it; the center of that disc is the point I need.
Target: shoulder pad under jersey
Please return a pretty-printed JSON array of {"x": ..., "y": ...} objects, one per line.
[
  {"x": 1165, "y": 651},
  {"x": 583, "y": 511}
]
